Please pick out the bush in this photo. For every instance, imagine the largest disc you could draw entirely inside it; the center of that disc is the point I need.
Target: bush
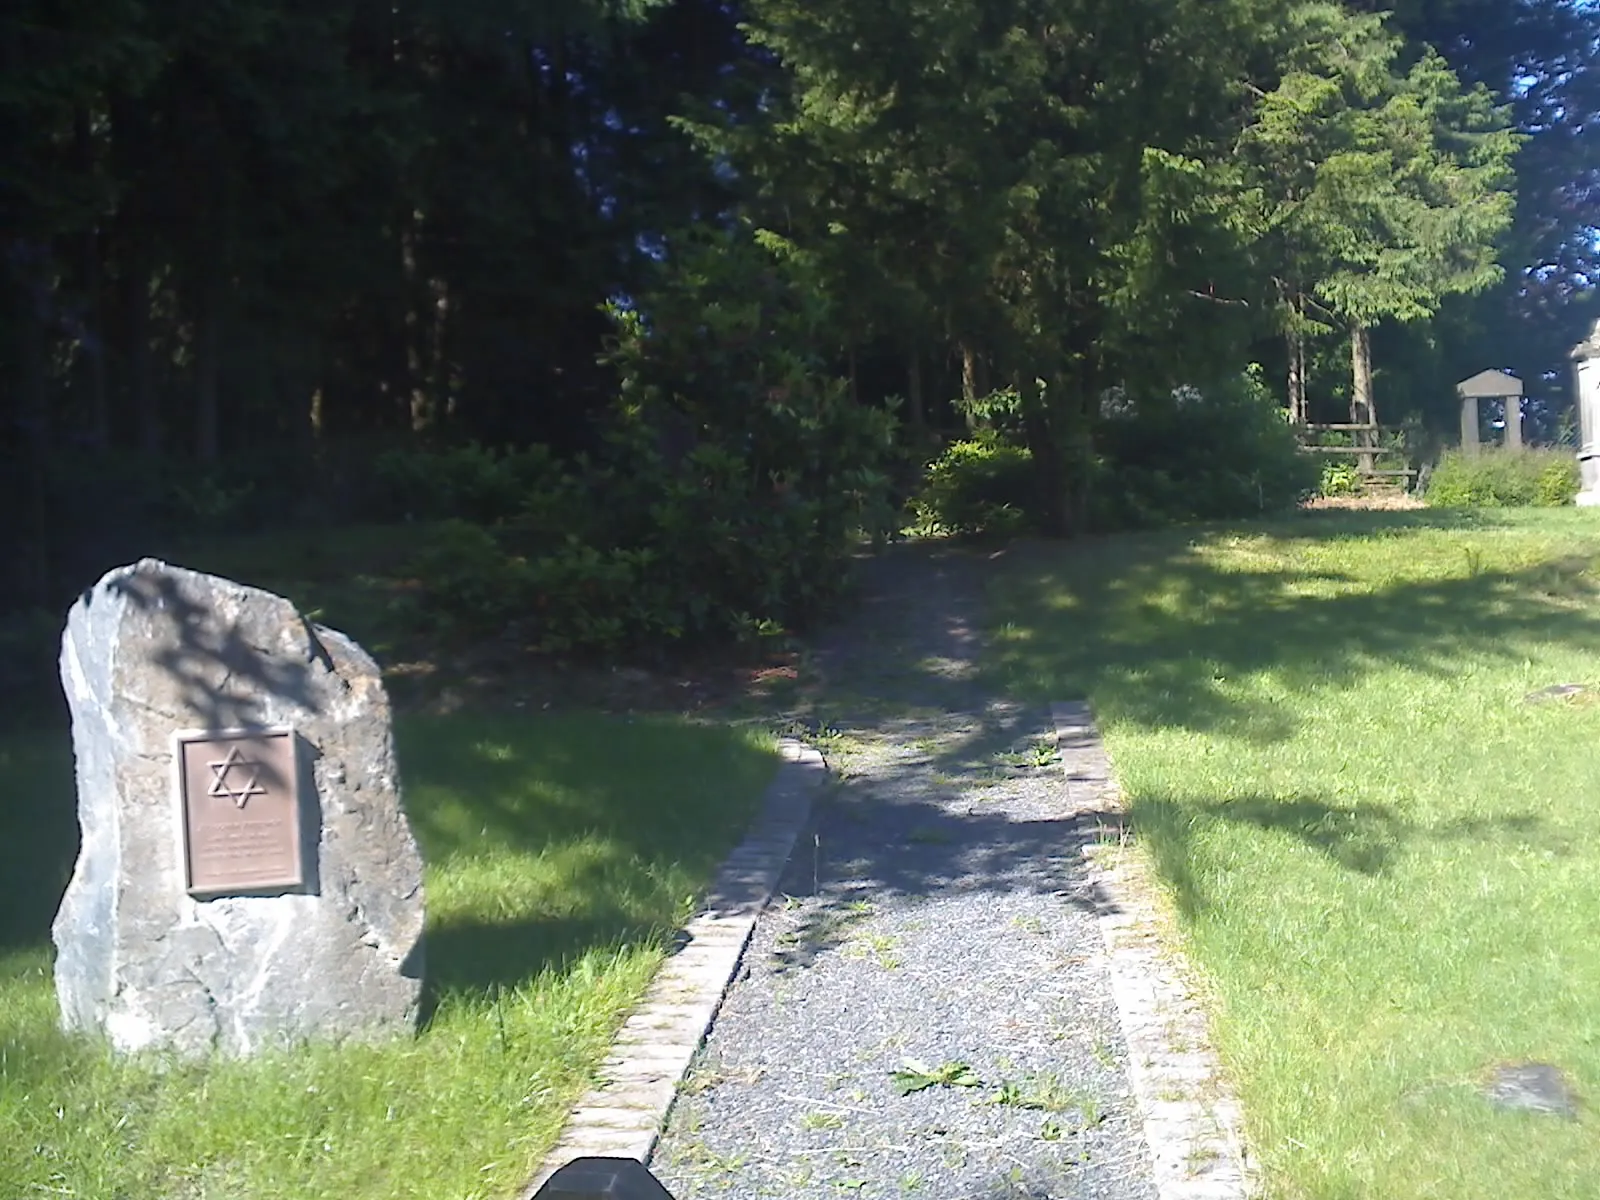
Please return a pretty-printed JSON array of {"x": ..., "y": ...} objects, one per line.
[
  {"x": 736, "y": 481},
  {"x": 1339, "y": 478},
  {"x": 1198, "y": 455},
  {"x": 982, "y": 485},
  {"x": 469, "y": 483},
  {"x": 1499, "y": 478}
]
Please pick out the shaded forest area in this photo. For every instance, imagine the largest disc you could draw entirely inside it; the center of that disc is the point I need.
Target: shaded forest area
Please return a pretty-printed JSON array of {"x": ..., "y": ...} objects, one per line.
[{"x": 734, "y": 271}]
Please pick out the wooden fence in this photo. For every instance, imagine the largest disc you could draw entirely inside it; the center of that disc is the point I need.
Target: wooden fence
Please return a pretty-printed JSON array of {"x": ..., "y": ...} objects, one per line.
[{"x": 1367, "y": 450}]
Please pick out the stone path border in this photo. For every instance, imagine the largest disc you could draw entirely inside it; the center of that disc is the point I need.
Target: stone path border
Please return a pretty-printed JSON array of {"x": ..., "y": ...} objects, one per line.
[
  {"x": 623, "y": 1114},
  {"x": 1192, "y": 1121}
]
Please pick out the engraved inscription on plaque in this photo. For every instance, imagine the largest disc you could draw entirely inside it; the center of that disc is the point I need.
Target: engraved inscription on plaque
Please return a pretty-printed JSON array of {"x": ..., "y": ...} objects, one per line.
[{"x": 239, "y": 797}]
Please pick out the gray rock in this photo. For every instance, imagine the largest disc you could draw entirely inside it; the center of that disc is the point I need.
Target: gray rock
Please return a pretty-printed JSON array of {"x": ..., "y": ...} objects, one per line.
[
  {"x": 152, "y": 650},
  {"x": 1532, "y": 1087}
]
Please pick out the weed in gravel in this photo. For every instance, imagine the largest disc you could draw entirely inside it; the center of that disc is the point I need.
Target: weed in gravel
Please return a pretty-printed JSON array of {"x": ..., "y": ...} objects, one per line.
[
  {"x": 915, "y": 1076},
  {"x": 955, "y": 1156},
  {"x": 910, "y": 1181},
  {"x": 1047, "y": 1093},
  {"x": 702, "y": 1158},
  {"x": 692, "y": 1120},
  {"x": 877, "y": 946},
  {"x": 1104, "y": 1054},
  {"x": 1051, "y": 1131},
  {"x": 870, "y": 1053},
  {"x": 929, "y": 835},
  {"x": 699, "y": 1079},
  {"x": 821, "y": 1120},
  {"x": 853, "y": 1184},
  {"x": 1030, "y": 924},
  {"x": 1089, "y": 1108}
]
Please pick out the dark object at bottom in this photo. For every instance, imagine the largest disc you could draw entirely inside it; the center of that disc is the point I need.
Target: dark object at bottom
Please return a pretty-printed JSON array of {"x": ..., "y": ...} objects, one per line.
[
  {"x": 603, "y": 1179},
  {"x": 1532, "y": 1087}
]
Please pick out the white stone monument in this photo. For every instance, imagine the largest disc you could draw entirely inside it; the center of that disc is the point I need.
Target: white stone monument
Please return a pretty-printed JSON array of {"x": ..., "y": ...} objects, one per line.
[
  {"x": 1586, "y": 373},
  {"x": 1490, "y": 385}
]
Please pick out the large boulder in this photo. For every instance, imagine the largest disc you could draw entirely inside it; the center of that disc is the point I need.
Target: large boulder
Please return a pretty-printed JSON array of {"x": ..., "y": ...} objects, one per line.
[{"x": 274, "y": 893}]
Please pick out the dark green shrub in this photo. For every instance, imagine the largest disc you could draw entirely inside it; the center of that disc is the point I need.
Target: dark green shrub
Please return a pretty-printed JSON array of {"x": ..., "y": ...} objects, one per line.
[
  {"x": 469, "y": 582},
  {"x": 738, "y": 523},
  {"x": 1198, "y": 454},
  {"x": 1499, "y": 478},
  {"x": 982, "y": 485},
  {"x": 1339, "y": 478},
  {"x": 470, "y": 483}
]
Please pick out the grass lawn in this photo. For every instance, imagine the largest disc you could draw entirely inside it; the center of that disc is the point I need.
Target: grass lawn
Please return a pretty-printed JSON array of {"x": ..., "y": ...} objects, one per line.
[
  {"x": 1386, "y": 860},
  {"x": 559, "y": 849}
]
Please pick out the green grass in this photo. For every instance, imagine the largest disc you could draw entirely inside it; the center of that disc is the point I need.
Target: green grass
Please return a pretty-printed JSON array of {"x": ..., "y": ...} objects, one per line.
[
  {"x": 1384, "y": 858},
  {"x": 560, "y": 850}
]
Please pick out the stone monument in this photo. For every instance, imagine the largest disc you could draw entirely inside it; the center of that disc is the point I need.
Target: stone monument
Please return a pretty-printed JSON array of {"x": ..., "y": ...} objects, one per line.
[
  {"x": 247, "y": 877},
  {"x": 1490, "y": 385},
  {"x": 1586, "y": 374}
]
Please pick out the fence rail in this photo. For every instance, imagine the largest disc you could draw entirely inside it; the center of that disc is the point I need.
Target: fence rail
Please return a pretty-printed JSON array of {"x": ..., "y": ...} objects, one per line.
[{"x": 1366, "y": 457}]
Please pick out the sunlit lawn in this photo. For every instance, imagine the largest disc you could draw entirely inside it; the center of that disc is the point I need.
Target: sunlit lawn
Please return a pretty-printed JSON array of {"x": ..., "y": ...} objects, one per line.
[
  {"x": 560, "y": 850},
  {"x": 1385, "y": 857}
]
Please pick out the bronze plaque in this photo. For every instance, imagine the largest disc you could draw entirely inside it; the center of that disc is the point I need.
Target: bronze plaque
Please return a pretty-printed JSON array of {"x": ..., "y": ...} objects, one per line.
[{"x": 239, "y": 794}]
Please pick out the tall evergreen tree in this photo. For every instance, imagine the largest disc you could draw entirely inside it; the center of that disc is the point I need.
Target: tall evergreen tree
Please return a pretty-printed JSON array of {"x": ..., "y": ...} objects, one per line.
[{"x": 1383, "y": 191}]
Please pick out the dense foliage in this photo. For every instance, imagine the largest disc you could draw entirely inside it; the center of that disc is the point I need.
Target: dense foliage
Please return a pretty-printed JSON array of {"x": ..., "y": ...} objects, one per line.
[
  {"x": 739, "y": 268},
  {"x": 1505, "y": 479}
]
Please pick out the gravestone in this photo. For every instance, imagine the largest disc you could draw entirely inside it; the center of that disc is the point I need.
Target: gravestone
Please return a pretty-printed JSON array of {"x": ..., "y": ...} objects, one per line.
[
  {"x": 1586, "y": 375},
  {"x": 1490, "y": 385},
  {"x": 247, "y": 877}
]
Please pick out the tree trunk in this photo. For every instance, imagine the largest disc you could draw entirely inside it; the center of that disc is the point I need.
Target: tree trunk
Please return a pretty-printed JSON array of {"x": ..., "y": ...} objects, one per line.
[
  {"x": 968, "y": 386},
  {"x": 91, "y": 331},
  {"x": 134, "y": 286},
  {"x": 207, "y": 378},
  {"x": 915, "y": 414},
  {"x": 32, "y": 397},
  {"x": 129, "y": 147},
  {"x": 1049, "y": 473},
  {"x": 419, "y": 404},
  {"x": 94, "y": 343},
  {"x": 1296, "y": 339},
  {"x": 1362, "y": 411}
]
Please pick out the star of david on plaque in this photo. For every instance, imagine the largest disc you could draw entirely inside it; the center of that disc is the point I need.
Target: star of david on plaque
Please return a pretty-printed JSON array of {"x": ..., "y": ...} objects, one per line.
[{"x": 221, "y": 770}]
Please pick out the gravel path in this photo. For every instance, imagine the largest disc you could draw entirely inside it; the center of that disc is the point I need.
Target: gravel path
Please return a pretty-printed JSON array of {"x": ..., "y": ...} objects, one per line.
[{"x": 936, "y": 912}]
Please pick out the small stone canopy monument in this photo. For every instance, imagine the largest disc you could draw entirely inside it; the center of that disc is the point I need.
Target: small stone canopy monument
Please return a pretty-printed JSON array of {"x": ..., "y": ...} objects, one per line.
[
  {"x": 1490, "y": 385},
  {"x": 247, "y": 877},
  {"x": 1586, "y": 375}
]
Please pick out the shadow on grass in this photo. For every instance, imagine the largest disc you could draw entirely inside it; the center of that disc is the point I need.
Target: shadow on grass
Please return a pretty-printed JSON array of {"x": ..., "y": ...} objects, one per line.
[
  {"x": 38, "y": 834},
  {"x": 554, "y": 836},
  {"x": 545, "y": 837},
  {"x": 1152, "y": 627},
  {"x": 1364, "y": 839}
]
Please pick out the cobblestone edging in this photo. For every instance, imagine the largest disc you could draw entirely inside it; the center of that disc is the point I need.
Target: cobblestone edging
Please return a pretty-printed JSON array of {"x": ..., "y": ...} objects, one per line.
[
  {"x": 623, "y": 1114},
  {"x": 1192, "y": 1122}
]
